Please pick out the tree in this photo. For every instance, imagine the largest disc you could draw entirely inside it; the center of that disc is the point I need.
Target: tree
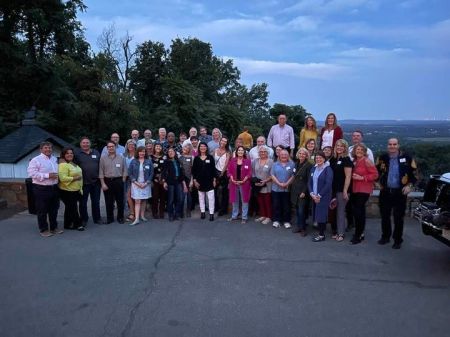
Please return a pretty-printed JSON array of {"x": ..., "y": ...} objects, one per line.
[{"x": 120, "y": 55}]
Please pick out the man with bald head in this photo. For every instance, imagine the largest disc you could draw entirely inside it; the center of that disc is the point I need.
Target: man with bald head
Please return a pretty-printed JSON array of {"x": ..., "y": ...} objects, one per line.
[
  {"x": 397, "y": 178},
  {"x": 147, "y": 138},
  {"x": 282, "y": 134},
  {"x": 119, "y": 148},
  {"x": 254, "y": 152},
  {"x": 135, "y": 137}
]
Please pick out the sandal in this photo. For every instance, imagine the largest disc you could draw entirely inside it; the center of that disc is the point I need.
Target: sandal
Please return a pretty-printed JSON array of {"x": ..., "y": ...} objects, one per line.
[
  {"x": 340, "y": 238},
  {"x": 130, "y": 217}
]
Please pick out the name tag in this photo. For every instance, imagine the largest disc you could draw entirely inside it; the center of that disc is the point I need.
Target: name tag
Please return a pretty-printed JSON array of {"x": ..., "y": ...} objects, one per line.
[
  {"x": 294, "y": 170},
  {"x": 288, "y": 168},
  {"x": 188, "y": 159},
  {"x": 155, "y": 165},
  {"x": 246, "y": 167},
  {"x": 94, "y": 156},
  {"x": 207, "y": 161},
  {"x": 402, "y": 160},
  {"x": 339, "y": 162},
  {"x": 161, "y": 161},
  {"x": 117, "y": 165},
  {"x": 266, "y": 166},
  {"x": 312, "y": 174},
  {"x": 147, "y": 167}
]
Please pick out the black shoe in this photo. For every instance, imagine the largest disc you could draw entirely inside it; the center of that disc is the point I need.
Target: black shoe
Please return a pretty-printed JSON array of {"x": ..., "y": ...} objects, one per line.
[
  {"x": 80, "y": 228},
  {"x": 296, "y": 229},
  {"x": 120, "y": 221},
  {"x": 203, "y": 215},
  {"x": 221, "y": 213},
  {"x": 397, "y": 245},
  {"x": 383, "y": 241},
  {"x": 211, "y": 217},
  {"x": 355, "y": 240},
  {"x": 108, "y": 222}
]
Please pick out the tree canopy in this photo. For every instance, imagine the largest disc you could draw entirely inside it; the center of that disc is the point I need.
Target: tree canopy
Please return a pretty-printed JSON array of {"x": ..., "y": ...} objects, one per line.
[{"x": 48, "y": 63}]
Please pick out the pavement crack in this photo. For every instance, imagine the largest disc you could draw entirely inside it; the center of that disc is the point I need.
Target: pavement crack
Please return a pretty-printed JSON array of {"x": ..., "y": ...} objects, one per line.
[{"x": 151, "y": 282}]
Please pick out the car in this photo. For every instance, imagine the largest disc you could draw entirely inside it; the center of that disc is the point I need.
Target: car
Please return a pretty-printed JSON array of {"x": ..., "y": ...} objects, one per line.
[{"x": 433, "y": 211}]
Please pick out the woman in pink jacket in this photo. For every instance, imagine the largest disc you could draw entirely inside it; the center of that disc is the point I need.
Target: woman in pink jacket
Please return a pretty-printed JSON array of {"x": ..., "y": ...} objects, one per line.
[
  {"x": 363, "y": 176},
  {"x": 239, "y": 173}
]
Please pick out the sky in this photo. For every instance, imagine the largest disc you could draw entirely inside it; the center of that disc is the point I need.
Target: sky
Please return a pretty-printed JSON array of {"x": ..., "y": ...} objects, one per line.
[{"x": 362, "y": 59}]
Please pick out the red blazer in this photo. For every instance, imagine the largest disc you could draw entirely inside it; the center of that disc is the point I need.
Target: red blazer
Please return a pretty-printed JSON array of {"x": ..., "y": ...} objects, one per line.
[
  {"x": 338, "y": 134},
  {"x": 246, "y": 171}
]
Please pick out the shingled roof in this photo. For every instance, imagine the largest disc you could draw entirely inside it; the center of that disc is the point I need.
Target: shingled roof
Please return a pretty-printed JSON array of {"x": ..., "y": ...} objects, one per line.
[{"x": 25, "y": 140}]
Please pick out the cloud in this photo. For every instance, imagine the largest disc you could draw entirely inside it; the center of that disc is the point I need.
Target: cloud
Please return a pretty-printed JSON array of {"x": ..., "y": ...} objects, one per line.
[
  {"x": 364, "y": 52},
  {"x": 321, "y": 71},
  {"x": 330, "y": 6},
  {"x": 303, "y": 23}
]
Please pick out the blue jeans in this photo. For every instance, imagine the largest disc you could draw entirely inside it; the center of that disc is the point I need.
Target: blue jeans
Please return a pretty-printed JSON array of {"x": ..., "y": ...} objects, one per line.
[
  {"x": 235, "y": 211},
  {"x": 174, "y": 200},
  {"x": 94, "y": 191},
  {"x": 188, "y": 198},
  {"x": 301, "y": 214}
]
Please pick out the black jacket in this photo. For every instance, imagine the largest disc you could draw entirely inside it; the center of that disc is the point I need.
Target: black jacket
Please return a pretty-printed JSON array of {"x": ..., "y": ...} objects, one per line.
[{"x": 168, "y": 173}]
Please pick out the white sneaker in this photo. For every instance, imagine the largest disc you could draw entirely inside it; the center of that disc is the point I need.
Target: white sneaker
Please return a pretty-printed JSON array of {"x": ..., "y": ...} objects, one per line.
[
  {"x": 276, "y": 224},
  {"x": 134, "y": 223},
  {"x": 287, "y": 225},
  {"x": 265, "y": 221}
]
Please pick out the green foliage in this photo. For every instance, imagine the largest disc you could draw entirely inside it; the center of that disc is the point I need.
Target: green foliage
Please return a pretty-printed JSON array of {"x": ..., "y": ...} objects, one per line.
[
  {"x": 47, "y": 62},
  {"x": 430, "y": 158}
]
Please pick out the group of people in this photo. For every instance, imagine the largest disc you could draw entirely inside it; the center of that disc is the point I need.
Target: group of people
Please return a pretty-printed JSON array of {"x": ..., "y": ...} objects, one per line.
[{"x": 322, "y": 178}]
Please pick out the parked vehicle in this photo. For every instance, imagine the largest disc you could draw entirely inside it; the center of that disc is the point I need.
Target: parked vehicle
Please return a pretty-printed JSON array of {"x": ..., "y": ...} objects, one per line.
[{"x": 434, "y": 210}]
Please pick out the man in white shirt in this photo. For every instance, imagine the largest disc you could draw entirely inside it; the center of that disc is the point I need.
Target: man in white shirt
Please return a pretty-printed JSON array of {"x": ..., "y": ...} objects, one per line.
[
  {"x": 282, "y": 134},
  {"x": 147, "y": 138},
  {"x": 43, "y": 169},
  {"x": 254, "y": 151}
]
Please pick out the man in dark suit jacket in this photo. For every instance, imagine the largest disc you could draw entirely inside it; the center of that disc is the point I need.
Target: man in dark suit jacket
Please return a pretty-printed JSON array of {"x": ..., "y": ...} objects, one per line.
[{"x": 396, "y": 177}]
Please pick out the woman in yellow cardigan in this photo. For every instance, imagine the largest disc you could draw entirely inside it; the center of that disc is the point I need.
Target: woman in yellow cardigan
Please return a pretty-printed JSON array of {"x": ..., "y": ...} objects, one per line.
[
  {"x": 70, "y": 187},
  {"x": 309, "y": 131}
]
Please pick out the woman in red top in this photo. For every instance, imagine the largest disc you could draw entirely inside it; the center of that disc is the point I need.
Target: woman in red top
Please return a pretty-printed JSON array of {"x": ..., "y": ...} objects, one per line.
[
  {"x": 363, "y": 176},
  {"x": 331, "y": 132}
]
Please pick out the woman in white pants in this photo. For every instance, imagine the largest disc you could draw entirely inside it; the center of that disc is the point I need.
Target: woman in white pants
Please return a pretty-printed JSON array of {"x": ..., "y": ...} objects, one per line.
[{"x": 204, "y": 177}]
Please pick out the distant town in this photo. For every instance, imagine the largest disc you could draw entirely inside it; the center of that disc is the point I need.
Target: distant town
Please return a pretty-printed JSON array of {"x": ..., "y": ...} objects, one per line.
[{"x": 376, "y": 132}]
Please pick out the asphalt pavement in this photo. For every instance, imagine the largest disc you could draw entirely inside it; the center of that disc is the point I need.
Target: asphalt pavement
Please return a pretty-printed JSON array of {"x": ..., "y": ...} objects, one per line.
[{"x": 199, "y": 278}]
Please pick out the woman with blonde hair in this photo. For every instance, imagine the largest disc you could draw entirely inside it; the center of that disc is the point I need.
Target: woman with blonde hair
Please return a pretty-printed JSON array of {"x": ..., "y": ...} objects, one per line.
[
  {"x": 299, "y": 190},
  {"x": 341, "y": 165},
  {"x": 331, "y": 132},
  {"x": 363, "y": 176},
  {"x": 309, "y": 131}
]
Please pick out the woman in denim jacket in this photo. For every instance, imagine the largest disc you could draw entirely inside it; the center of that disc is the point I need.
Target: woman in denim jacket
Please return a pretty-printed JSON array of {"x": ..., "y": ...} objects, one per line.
[{"x": 140, "y": 173}]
